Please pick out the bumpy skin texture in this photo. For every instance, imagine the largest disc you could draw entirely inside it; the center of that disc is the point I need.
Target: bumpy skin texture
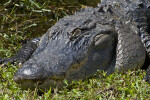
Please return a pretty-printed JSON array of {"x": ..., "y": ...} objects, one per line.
[
  {"x": 104, "y": 38},
  {"x": 24, "y": 53}
]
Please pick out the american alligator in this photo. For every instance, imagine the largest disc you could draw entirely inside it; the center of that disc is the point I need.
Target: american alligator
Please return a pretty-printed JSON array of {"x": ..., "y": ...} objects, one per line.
[{"x": 112, "y": 37}]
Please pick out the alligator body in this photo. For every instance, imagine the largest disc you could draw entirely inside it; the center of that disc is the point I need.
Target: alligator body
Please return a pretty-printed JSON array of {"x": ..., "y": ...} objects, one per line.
[{"x": 113, "y": 36}]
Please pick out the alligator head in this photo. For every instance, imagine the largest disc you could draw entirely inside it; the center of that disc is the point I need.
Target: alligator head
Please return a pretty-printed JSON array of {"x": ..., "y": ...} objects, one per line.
[
  {"x": 74, "y": 48},
  {"x": 79, "y": 45}
]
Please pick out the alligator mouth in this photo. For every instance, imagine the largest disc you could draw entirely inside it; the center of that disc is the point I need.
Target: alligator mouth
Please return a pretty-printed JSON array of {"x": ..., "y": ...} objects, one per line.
[
  {"x": 41, "y": 85},
  {"x": 38, "y": 77}
]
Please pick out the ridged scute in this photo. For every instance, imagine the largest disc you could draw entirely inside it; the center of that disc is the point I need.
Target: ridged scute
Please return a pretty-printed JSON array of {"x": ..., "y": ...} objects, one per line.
[{"x": 107, "y": 38}]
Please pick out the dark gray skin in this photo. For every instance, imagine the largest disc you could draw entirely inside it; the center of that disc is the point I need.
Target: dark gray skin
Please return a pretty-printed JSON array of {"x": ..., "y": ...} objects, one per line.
[{"x": 113, "y": 36}]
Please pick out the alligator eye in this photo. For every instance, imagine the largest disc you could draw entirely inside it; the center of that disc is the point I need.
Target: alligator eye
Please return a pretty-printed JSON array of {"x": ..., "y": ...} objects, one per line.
[
  {"x": 75, "y": 33},
  {"x": 141, "y": 5}
]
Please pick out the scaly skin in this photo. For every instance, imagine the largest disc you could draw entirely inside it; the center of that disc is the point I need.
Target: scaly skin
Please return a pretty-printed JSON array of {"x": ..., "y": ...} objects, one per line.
[{"x": 104, "y": 38}]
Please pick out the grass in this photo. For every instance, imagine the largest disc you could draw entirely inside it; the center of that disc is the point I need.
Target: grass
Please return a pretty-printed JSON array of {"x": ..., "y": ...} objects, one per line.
[
  {"x": 25, "y": 19},
  {"x": 116, "y": 86}
]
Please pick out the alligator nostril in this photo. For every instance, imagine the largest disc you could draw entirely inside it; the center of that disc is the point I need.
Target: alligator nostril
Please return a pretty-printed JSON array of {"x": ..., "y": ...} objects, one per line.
[{"x": 27, "y": 72}]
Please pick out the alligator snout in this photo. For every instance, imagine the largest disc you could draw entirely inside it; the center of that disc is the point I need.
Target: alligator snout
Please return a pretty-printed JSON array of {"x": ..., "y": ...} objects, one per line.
[{"x": 33, "y": 76}]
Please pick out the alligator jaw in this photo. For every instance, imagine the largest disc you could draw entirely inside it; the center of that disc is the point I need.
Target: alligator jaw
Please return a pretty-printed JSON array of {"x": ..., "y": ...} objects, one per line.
[
  {"x": 42, "y": 86},
  {"x": 37, "y": 77}
]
